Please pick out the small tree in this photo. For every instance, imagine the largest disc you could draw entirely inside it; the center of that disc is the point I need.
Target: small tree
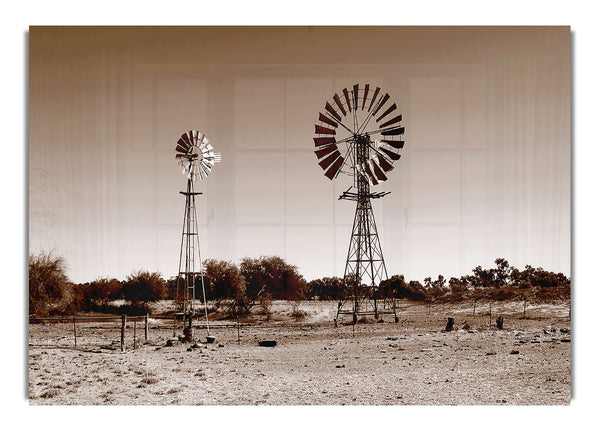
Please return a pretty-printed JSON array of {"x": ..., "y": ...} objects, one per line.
[
  {"x": 102, "y": 290},
  {"x": 456, "y": 286},
  {"x": 144, "y": 287},
  {"x": 501, "y": 273},
  {"x": 223, "y": 279},
  {"x": 273, "y": 274},
  {"x": 326, "y": 288},
  {"x": 417, "y": 291}
]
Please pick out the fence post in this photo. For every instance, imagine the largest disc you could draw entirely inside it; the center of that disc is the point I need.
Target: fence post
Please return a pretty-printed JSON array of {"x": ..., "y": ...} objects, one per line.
[
  {"x": 134, "y": 326},
  {"x": 74, "y": 331},
  {"x": 123, "y": 322},
  {"x": 146, "y": 328}
]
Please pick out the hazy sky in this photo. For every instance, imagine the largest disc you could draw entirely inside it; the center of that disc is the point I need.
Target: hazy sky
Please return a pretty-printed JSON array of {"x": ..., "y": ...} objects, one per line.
[{"x": 485, "y": 171}]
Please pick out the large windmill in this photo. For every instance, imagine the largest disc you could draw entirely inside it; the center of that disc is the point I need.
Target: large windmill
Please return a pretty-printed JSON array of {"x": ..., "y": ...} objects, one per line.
[
  {"x": 359, "y": 134},
  {"x": 196, "y": 157}
]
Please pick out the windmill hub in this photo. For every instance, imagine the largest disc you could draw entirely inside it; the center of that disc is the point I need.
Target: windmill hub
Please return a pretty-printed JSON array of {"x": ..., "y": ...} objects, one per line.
[{"x": 344, "y": 144}]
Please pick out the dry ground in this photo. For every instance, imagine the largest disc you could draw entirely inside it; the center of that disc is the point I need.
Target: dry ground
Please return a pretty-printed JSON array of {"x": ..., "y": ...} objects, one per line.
[{"x": 410, "y": 362}]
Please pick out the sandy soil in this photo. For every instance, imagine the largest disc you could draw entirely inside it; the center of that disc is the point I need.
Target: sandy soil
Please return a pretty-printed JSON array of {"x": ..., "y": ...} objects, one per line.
[{"x": 410, "y": 362}]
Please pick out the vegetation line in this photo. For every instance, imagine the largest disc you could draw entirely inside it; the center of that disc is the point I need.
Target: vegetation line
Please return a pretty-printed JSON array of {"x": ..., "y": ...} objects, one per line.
[{"x": 255, "y": 282}]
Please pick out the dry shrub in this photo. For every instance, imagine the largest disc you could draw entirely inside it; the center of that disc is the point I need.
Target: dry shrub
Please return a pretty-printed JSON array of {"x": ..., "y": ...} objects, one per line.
[{"x": 264, "y": 308}]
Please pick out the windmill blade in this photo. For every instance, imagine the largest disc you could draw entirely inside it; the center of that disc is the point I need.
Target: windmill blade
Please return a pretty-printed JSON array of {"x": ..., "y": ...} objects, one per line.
[
  {"x": 203, "y": 170},
  {"x": 323, "y": 141},
  {"x": 380, "y": 104},
  {"x": 396, "y": 119},
  {"x": 327, "y": 161},
  {"x": 391, "y": 154},
  {"x": 378, "y": 172},
  {"x": 190, "y": 136},
  {"x": 332, "y": 111},
  {"x": 320, "y": 130},
  {"x": 385, "y": 165},
  {"x": 338, "y": 102},
  {"x": 393, "y": 132},
  {"x": 196, "y": 136},
  {"x": 217, "y": 157},
  {"x": 355, "y": 96},
  {"x": 186, "y": 139},
  {"x": 390, "y": 109},
  {"x": 396, "y": 144},
  {"x": 370, "y": 174},
  {"x": 327, "y": 120},
  {"x": 374, "y": 98},
  {"x": 335, "y": 168},
  {"x": 347, "y": 96},
  {"x": 326, "y": 150},
  {"x": 182, "y": 146},
  {"x": 366, "y": 92}
]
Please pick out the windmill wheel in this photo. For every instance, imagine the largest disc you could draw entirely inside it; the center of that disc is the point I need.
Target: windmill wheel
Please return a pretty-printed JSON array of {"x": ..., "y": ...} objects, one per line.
[
  {"x": 359, "y": 132},
  {"x": 196, "y": 156}
]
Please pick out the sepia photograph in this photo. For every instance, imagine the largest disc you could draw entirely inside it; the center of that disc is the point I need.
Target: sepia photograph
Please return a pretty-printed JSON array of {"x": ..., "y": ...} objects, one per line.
[{"x": 299, "y": 215}]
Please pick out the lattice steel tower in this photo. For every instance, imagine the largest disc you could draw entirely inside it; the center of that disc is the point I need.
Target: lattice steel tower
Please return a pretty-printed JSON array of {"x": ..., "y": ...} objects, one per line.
[
  {"x": 196, "y": 156},
  {"x": 366, "y": 156}
]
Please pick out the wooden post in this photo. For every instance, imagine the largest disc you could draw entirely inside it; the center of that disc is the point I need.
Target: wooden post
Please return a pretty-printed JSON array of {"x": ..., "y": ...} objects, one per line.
[
  {"x": 134, "y": 325},
  {"x": 74, "y": 331},
  {"x": 123, "y": 323},
  {"x": 146, "y": 328},
  {"x": 490, "y": 312},
  {"x": 524, "y": 307},
  {"x": 474, "y": 303}
]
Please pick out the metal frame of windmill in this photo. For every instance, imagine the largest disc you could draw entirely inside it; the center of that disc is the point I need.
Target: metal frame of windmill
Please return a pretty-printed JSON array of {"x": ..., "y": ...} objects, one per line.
[
  {"x": 367, "y": 153},
  {"x": 195, "y": 155}
]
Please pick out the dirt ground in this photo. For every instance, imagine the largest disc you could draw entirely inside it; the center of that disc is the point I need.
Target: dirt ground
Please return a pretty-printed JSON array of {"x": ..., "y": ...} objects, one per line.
[{"x": 412, "y": 362}]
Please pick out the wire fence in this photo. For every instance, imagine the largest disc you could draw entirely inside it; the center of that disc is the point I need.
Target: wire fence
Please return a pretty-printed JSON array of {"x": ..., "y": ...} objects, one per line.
[{"x": 115, "y": 333}]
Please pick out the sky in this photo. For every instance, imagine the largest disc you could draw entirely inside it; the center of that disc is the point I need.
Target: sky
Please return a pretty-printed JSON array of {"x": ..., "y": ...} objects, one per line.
[{"x": 485, "y": 171}]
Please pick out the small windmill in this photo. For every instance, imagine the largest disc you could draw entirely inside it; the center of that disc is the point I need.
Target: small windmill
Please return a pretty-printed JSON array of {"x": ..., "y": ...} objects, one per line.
[
  {"x": 196, "y": 157},
  {"x": 359, "y": 134}
]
